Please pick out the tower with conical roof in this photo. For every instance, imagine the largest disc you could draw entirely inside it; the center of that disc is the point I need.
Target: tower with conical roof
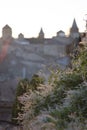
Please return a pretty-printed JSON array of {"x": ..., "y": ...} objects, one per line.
[
  {"x": 74, "y": 31},
  {"x": 41, "y": 34},
  {"x": 6, "y": 32},
  {"x": 21, "y": 36}
]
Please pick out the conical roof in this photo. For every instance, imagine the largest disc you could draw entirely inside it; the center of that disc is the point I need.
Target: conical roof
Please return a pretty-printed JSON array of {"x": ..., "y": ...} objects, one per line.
[
  {"x": 41, "y": 31},
  {"x": 6, "y": 27},
  {"x": 74, "y": 27}
]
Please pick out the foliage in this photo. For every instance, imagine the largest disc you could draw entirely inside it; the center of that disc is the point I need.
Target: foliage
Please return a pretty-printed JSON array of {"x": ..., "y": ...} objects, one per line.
[
  {"x": 75, "y": 101},
  {"x": 23, "y": 87},
  {"x": 64, "y": 99},
  {"x": 35, "y": 81},
  {"x": 17, "y": 106}
]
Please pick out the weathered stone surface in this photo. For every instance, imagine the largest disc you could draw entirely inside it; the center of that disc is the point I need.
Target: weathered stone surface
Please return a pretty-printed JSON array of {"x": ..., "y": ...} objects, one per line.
[
  {"x": 1, "y": 128},
  {"x": 20, "y": 61},
  {"x": 10, "y": 127}
]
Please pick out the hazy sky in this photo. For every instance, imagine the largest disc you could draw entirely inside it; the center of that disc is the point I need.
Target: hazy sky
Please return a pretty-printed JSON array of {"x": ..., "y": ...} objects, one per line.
[{"x": 28, "y": 16}]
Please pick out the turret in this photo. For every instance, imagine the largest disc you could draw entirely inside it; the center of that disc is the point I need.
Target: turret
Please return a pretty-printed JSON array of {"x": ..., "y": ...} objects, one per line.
[
  {"x": 21, "y": 36},
  {"x": 41, "y": 34},
  {"x": 6, "y": 32},
  {"x": 74, "y": 31},
  {"x": 60, "y": 34}
]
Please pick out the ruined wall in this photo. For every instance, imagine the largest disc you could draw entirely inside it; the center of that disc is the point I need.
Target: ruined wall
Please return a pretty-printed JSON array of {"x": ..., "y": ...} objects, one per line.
[
  {"x": 22, "y": 61},
  {"x": 55, "y": 50}
]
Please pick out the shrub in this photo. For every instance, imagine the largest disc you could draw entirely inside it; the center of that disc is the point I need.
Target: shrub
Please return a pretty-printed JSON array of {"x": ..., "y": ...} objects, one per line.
[
  {"x": 65, "y": 99},
  {"x": 36, "y": 81},
  {"x": 17, "y": 106},
  {"x": 23, "y": 87}
]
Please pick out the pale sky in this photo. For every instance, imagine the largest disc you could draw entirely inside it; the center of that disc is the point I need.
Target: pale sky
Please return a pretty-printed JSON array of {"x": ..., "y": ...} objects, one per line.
[{"x": 28, "y": 16}]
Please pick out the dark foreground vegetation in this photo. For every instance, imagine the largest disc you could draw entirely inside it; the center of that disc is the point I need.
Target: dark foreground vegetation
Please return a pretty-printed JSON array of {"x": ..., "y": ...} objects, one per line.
[{"x": 59, "y": 105}]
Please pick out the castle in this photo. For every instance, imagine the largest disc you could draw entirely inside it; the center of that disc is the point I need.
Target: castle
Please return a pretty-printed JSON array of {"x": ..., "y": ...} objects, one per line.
[
  {"x": 54, "y": 50},
  {"x": 23, "y": 57}
]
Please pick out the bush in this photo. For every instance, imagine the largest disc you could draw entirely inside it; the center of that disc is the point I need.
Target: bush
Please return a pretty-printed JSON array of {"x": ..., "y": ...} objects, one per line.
[
  {"x": 17, "y": 106},
  {"x": 23, "y": 87},
  {"x": 36, "y": 81},
  {"x": 65, "y": 99}
]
